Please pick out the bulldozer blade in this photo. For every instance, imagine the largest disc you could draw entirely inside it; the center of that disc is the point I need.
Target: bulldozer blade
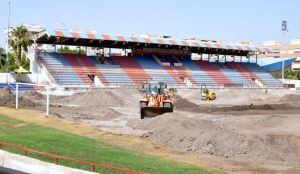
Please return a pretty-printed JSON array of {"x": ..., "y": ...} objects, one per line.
[{"x": 154, "y": 111}]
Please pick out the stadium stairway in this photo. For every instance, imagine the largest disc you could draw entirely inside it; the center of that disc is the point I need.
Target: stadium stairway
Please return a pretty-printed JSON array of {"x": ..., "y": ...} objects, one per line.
[
  {"x": 245, "y": 72},
  {"x": 154, "y": 70},
  {"x": 112, "y": 72},
  {"x": 232, "y": 74},
  {"x": 181, "y": 71},
  {"x": 197, "y": 73},
  {"x": 89, "y": 66},
  {"x": 214, "y": 72},
  {"x": 79, "y": 67},
  {"x": 132, "y": 69},
  {"x": 169, "y": 69}
]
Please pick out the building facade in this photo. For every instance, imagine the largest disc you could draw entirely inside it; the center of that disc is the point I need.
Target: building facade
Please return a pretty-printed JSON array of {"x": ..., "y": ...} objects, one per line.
[{"x": 284, "y": 50}]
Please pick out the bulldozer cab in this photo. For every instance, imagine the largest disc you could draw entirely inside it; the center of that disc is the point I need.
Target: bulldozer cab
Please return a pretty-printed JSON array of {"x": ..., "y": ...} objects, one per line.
[
  {"x": 154, "y": 88},
  {"x": 156, "y": 100}
]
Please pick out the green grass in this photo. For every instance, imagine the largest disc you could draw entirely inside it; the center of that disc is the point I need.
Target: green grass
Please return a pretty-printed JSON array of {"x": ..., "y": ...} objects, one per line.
[{"x": 62, "y": 143}]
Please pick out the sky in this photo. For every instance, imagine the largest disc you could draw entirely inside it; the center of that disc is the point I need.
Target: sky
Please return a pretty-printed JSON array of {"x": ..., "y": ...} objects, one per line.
[{"x": 227, "y": 20}]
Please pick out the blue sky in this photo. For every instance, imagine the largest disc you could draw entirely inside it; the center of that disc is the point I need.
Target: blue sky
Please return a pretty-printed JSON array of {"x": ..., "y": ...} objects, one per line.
[{"x": 226, "y": 20}]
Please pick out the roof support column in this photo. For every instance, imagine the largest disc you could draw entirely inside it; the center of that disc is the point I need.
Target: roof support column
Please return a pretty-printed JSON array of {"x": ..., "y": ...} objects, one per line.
[{"x": 256, "y": 57}]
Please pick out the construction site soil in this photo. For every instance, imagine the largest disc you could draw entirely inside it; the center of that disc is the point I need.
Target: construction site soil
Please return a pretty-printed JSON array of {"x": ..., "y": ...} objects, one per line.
[{"x": 254, "y": 126}]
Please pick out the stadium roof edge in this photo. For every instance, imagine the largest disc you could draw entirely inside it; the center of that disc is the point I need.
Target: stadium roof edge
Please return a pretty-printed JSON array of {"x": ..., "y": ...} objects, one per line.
[{"x": 120, "y": 41}]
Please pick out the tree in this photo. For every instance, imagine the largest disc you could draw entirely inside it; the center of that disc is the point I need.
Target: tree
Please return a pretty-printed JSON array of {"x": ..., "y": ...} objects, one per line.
[
  {"x": 20, "y": 40},
  {"x": 66, "y": 49}
]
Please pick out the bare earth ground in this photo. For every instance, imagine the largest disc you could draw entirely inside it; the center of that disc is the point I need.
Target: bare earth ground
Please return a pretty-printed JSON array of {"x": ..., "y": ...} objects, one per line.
[{"x": 253, "y": 131}]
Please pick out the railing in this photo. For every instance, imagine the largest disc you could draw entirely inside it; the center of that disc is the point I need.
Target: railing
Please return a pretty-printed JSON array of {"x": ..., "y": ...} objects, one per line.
[
  {"x": 181, "y": 87},
  {"x": 57, "y": 158}
]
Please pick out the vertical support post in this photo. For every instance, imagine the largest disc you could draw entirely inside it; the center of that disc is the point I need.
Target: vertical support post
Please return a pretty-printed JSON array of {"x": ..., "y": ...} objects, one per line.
[
  {"x": 93, "y": 167},
  {"x": 256, "y": 57},
  {"x": 17, "y": 95},
  {"x": 47, "y": 105},
  {"x": 282, "y": 72}
]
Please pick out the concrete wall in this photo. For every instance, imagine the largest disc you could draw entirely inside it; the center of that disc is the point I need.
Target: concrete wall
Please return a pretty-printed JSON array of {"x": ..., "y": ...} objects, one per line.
[
  {"x": 40, "y": 78},
  {"x": 30, "y": 165}
]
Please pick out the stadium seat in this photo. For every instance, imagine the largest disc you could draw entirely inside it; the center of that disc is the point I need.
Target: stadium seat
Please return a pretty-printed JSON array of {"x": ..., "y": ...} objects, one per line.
[{"x": 74, "y": 69}]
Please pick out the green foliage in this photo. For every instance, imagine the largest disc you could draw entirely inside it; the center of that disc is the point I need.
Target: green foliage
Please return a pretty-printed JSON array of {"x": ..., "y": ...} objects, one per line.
[
  {"x": 20, "y": 40},
  {"x": 66, "y": 49},
  {"x": 13, "y": 65},
  {"x": 62, "y": 143},
  {"x": 288, "y": 74}
]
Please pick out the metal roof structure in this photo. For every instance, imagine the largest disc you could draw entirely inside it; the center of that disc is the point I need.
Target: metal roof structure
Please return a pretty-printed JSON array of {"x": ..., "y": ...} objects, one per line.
[{"x": 61, "y": 37}]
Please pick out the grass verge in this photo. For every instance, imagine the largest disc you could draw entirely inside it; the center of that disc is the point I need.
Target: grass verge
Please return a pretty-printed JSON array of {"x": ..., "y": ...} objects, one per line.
[{"x": 78, "y": 147}]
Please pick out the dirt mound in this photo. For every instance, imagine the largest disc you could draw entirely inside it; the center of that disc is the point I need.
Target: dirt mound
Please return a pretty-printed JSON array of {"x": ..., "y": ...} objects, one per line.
[
  {"x": 187, "y": 133},
  {"x": 290, "y": 98},
  {"x": 8, "y": 99},
  {"x": 99, "y": 98},
  {"x": 182, "y": 103}
]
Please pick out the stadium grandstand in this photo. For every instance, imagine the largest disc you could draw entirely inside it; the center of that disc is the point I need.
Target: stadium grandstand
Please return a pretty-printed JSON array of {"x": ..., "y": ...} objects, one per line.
[{"x": 187, "y": 63}]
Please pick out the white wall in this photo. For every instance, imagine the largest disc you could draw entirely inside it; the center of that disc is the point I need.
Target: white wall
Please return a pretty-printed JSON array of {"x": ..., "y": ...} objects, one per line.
[
  {"x": 30, "y": 165},
  {"x": 6, "y": 77},
  {"x": 37, "y": 78}
]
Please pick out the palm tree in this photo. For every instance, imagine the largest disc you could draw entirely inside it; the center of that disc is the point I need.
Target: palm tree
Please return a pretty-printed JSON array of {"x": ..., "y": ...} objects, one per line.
[
  {"x": 2, "y": 60},
  {"x": 20, "y": 39}
]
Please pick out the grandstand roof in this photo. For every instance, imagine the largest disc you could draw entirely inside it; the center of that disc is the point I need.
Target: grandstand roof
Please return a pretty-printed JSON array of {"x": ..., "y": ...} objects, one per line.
[{"x": 119, "y": 41}]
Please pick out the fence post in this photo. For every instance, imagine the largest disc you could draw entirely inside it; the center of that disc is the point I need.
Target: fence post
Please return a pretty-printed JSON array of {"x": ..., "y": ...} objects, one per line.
[
  {"x": 17, "y": 95},
  {"x": 47, "y": 104},
  {"x": 92, "y": 167}
]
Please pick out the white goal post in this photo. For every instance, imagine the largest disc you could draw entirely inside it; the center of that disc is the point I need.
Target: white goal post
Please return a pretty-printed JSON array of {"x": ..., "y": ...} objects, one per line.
[{"x": 34, "y": 85}]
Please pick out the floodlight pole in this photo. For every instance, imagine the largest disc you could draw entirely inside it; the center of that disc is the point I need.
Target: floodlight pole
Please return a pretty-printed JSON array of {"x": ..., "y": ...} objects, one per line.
[
  {"x": 17, "y": 95},
  {"x": 284, "y": 30},
  {"x": 8, "y": 25}
]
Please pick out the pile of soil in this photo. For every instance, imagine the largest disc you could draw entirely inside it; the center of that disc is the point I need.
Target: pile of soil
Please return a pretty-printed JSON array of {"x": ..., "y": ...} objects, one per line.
[
  {"x": 182, "y": 103},
  {"x": 290, "y": 98},
  {"x": 8, "y": 99},
  {"x": 185, "y": 132},
  {"x": 98, "y": 98}
]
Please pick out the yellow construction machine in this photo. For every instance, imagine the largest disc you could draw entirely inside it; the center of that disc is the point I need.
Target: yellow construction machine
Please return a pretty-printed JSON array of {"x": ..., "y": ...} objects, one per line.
[
  {"x": 156, "y": 99},
  {"x": 207, "y": 95}
]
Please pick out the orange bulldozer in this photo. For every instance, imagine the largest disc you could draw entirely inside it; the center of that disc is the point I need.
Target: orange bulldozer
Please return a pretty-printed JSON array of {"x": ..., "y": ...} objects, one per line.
[{"x": 156, "y": 101}]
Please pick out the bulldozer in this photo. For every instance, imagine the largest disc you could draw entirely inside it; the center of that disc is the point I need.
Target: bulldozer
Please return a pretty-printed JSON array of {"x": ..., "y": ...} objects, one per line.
[
  {"x": 208, "y": 95},
  {"x": 156, "y": 99}
]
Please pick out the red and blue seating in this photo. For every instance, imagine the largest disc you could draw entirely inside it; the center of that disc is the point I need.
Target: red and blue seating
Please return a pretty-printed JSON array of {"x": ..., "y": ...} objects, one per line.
[{"x": 74, "y": 69}]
